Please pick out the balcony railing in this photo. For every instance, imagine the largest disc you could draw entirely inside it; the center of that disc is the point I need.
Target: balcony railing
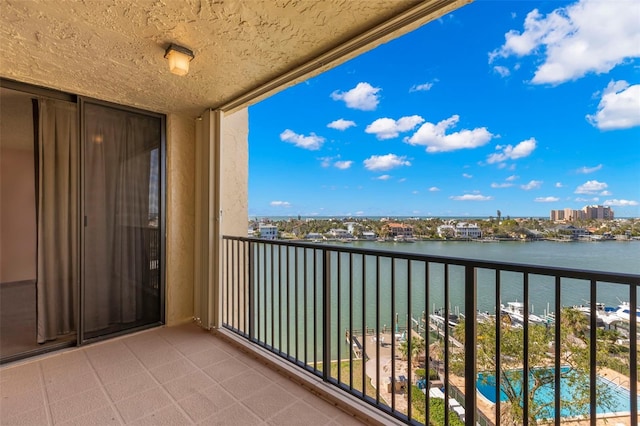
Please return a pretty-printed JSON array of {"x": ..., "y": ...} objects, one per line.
[{"x": 365, "y": 320}]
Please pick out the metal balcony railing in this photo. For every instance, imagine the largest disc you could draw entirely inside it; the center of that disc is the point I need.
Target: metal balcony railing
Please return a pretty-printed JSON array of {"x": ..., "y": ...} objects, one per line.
[{"x": 374, "y": 324}]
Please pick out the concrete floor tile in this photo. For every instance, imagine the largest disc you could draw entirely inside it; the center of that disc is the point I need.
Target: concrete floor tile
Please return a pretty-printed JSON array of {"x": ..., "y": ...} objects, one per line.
[
  {"x": 189, "y": 384},
  {"x": 236, "y": 414},
  {"x": 117, "y": 371},
  {"x": 77, "y": 405},
  {"x": 65, "y": 387},
  {"x": 168, "y": 416},
  {"x": 245, "y": 384},
  {"x": 14, "y": 404},
  {"x": 143, "y": 404},
  {"x": 207, "y": 357},
  {"x": 103, "y": 416},
  {"x": 226, "y": 369},
  {"x": 173, "y": 370},
  {"x": 34, "y": 417},
  {"x": 130, "y": 386},
  {"x": 298, "y": 414},
  {"x": 268, "y": 401},
  {"x": 206, "y": 403}
]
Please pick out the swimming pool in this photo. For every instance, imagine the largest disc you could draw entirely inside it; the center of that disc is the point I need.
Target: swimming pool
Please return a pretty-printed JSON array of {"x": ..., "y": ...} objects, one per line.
[{"x": 620, "y": 401}]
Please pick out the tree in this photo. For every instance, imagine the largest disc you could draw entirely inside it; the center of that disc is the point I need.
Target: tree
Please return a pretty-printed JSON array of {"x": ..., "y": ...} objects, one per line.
[
  {"x": 417, "y": 348},
  {"x": 499, "y": 213},
  {"x": 574, "y": 355}
]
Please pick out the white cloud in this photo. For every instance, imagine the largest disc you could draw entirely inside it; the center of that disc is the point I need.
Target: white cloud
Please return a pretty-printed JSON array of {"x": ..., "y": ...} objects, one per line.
[
  {"x": 509, "y": 152},
  {"x": 559, "y": 185},
  {"x": 512, "y": 178},
  {"x": 384, "y": 177},
  {"x": 471, "y": 197},
  {"x": 467, "y": 175},
  {"x": 402, "y": 180},
  {"x": 387, "y": 128},
  {"x": 620, "y": 203},
  {"x": 586, "y": 170},
  {"x": 606, "y": 193},
  {"x": 502, "y": 71},
  {"x": 534, "y": 184},
  {"x": 434, "y": 136},
  {"x": 546, "y": 199},
  {"x": 343, "y": 165},
  {"x": 501, "y": 185},
  {"x": 421, "y": 87},
  {"x": 587, "y": 36},
  {"x": 434, "y": 189},
  {"x": 415, "y": 192},
  {"x": 363, "y": 97},
  {"x": 619, "y": 107},
  {"x": 588, "y": 200},
  {"x": 312, "y": 142},
  {"x": 341, "y": 124},
  {"x": 591, "y": 187},
  {"x": 280, "y": 204},
  {"x": 385, "y": 162}
]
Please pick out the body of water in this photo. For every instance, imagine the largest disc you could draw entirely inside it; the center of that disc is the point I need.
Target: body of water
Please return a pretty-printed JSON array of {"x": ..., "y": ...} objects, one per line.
[{"x": 364, "y": 295}]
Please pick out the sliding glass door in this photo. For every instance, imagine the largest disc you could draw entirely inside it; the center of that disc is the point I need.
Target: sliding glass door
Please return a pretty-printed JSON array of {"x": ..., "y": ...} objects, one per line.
[{"x": 121, "y": 213}]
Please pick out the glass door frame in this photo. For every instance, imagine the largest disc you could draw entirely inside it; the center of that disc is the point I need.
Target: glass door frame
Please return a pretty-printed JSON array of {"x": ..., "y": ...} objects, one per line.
[{"x": 82, "y": 101}]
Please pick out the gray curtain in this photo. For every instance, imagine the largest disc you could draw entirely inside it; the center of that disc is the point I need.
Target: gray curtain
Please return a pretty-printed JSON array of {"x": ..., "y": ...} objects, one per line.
[
  {"x": 57, "y": 270},
  {"x": 117, "y": 158}
]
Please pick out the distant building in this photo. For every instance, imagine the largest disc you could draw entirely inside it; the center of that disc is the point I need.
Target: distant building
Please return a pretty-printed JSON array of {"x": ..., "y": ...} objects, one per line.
[
  {"x": 340, "y": 234},
  {"x": 467, "y": 230},
  {"x": 314, "y": 236},
  {"x": 400, "y": 230},
  {"x": 587, "y": 212},
  {"x": 369, "y": 235},
  {"x": 268, "y": 232},
  {"x": 598, "y": 212},
  {"x": 570, "y": 230}
]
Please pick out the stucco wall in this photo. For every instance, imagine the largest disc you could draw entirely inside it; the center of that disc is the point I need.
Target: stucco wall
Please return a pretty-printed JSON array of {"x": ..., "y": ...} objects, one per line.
[
  {"x": 180, "y": 218},
  {"x": 234, "y": 195}
]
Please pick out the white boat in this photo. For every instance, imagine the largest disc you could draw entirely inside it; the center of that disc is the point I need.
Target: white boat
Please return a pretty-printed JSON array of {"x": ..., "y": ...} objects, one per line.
[
  {"x": 624, "y": 312},
  {"x": 515, "y": 311}
]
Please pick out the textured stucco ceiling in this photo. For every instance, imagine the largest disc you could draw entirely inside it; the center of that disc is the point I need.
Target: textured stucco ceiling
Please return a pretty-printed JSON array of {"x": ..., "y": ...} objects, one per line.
[{"x": 114, "y": 49}]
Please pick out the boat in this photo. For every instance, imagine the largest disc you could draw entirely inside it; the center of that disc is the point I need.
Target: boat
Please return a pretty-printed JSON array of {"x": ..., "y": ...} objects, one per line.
[
  {"x": 605, "y": 315},
  {"x": 624, "y": 312},
  {"x": 515, "y": 311}
]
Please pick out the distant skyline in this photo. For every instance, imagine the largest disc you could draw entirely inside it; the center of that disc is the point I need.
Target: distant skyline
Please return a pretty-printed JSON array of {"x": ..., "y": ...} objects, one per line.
[{"x": 517, "y": 106}]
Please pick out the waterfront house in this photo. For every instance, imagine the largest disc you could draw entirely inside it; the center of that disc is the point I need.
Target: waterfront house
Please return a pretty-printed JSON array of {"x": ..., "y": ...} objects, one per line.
[
  {"x": 467, "y": 230},
  {"x": 400, "y": 230},
  {"x": 268, "y": 231}
]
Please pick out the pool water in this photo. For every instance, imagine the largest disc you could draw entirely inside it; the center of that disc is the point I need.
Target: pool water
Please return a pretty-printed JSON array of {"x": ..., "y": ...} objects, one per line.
[{"x": 620, "y": 403}]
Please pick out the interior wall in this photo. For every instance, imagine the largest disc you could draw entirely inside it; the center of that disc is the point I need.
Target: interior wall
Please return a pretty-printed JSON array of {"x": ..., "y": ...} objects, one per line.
[
  {"x": 17, "y": 189},
  {"x": 180, "y": 223}
]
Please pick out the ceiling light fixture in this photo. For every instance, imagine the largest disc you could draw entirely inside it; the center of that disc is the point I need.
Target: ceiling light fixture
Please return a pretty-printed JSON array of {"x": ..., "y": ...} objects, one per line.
[{"x": 179, "y": 58}]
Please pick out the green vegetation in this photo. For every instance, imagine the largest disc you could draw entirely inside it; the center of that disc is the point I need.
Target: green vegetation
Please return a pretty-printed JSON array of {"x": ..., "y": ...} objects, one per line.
[
  {"x": 357, "y": 375},
  {"x": 436, "y": 410},
  {"x": 502, "y": 227}
]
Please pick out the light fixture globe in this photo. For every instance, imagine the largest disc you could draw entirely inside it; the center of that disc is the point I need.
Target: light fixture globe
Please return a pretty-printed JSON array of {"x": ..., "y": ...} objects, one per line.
[{"x": 179, "y": 58}]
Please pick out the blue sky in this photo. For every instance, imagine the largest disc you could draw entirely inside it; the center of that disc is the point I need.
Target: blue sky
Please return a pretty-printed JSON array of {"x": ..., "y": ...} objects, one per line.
[{"x": 515, "y": 106}]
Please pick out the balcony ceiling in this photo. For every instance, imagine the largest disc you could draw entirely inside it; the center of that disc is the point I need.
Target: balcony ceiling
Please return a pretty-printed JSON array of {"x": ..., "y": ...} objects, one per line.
[{"x": 114, "y": 50}]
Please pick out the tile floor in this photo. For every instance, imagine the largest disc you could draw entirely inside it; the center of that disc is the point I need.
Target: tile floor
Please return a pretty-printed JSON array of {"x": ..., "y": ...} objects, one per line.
[{"x": 165, "y": 376}]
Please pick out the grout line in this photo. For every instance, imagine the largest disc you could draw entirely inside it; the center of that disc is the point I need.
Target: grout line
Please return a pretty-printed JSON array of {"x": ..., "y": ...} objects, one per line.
[
  {"x": 148, "y": 370},
  {"x": 102, "y": 388},
  {"x": 45, "y": 397}
]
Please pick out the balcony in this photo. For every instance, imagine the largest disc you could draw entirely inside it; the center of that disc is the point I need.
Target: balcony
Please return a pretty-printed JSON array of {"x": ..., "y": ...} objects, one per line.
[
  {"x": 314, "y": 305},
  {"x": 174, "y": 376}
]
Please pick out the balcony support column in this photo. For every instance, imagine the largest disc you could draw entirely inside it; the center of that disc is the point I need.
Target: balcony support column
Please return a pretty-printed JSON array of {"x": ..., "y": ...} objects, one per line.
[{"x": 471, "y": 308}]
